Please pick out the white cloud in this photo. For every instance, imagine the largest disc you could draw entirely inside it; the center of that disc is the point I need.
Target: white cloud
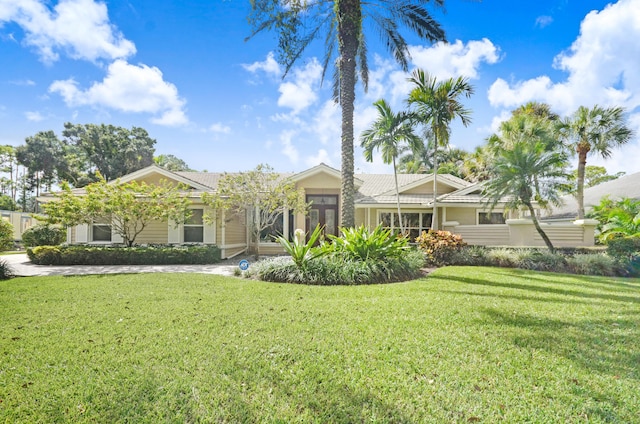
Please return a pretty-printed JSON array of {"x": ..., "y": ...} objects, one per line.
[
  {"x": 602, "y": 66},
  {"x": 269, "y": 66},
  {"x": 34, "y": 116},
  {"x": 288, "y": 148},
  {"x": 79, "y": 28},
  {"x": 321, "y": 157},
  {"x": 219, "y": 128},
  {"x": 455, "y": 59},
  {"x": 543, "y": 21},
  {"x": 300, "y": 93},
  {"x": 128, "y": 88},
  {"x": 26, "y": 83}
]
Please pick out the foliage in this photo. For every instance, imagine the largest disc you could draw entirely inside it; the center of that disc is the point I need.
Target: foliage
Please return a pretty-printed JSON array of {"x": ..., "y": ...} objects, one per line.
[
  {"x": 103, "y": 255},
  {"x": 626, "y": 250},
  {"x": 7, "y": 237},
  {"x": 43, "y": 235},
  {"x": 342, "y": 24},
  {"x": 439, "y": 245},
  {"x": 7, "y": 203},
  {"x": 594, "y": 264},
  {"x": 525, "y": 171},
  {"x": 261, "y": 194},
  {"x": 6, "y": 270},
  {"x": 593, "y": 130},
  {"x": 618, "y": 218},
  {"x": 386, "y": 134},
  {"x": 464, "y": 345},
  {"x": 128, "y": 207},
  {"x": 593, "y": 175},
  {"x": 362, "y": 244},
  {"x": 41, "y": 155},
  {"x": 302, "y": 252},
  {"x": 336, "y": 269},
  {"x": 171, "y": 163},
  {"x": 105, "y": 149}
]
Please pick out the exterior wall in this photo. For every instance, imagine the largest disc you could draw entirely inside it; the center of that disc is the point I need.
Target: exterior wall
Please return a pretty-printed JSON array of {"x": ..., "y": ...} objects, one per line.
[
  {"x": 428, "y": 188},
  {"x": 21, "y": 222},
  {"x": 319, "y": 181},
  {"x": 464, "y": 216},
  {"x": 155, "y": 232},
  {"x": 483, "y": 235}
]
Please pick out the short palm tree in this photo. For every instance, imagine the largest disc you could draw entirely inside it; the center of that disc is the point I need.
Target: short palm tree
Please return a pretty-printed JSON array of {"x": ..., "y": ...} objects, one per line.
[
  {"x": 525, "y": 173},
  {"x": 436, "y": 104},
  {"x": 386, "y": 134},
  {"x": 595, "y": 130}
]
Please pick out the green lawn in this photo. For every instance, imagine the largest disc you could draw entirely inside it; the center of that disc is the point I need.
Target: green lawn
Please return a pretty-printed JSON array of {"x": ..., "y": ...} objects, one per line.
[{"x": 463, "y": 345}]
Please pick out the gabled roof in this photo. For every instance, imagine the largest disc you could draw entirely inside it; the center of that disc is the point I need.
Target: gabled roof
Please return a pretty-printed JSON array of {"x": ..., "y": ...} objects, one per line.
[
  {"x": 154, "y": 169},
  {"x": 320, "y": 169},
  {"x": 447, "y": 179}
]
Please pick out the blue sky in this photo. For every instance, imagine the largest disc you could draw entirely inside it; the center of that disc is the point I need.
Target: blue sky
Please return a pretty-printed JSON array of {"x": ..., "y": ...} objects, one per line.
[{"x": 183, "y": 71}]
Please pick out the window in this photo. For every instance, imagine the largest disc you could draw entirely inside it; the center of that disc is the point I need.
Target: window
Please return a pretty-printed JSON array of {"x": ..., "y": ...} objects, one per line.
[
  {"x": 194, "y": 227},
  {"x": 485, "y": 218},
  {"x": 413, "y": 222},
  {"x": 101, "y": 232},
  {"x": 276, "y": 229}
]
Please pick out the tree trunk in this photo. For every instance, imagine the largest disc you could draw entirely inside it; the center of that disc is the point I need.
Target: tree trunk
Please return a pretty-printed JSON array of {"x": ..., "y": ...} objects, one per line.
[
  {"x": 434, "y": 215},
  {"x": 349, "y": 18},
  {"x": 582, "y": 163},
  {"x": 539, "y": 229},
  {"x": 395, "y": 176}
]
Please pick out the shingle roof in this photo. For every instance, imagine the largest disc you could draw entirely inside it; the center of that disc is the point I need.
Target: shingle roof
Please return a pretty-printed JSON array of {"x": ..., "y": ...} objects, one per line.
[{"x": 626, "y": 186}]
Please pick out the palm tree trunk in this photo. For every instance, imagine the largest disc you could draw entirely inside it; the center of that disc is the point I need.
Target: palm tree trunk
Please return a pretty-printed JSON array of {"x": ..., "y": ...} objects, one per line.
[
  {"x": 539, "y": 229},
  {"x": 395, "y": 176},
  {"x": 434, "y": 215},
  {"x": 349, "y": 17},
  {"x": 582, "y": 163}
]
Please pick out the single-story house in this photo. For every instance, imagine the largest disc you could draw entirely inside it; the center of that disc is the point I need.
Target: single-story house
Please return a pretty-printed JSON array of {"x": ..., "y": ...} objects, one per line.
[
  {"x": 461, "y": 209},
  {"x": 625, "y": 186}
]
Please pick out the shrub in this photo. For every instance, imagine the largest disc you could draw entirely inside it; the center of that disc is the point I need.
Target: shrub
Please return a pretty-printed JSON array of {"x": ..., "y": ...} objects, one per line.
[
  {"x": 6, "y": 235},
  {"x": 336, "y": 270},
  {"x": 626, "y": 251},
  {"x": 6, "y": 271},
  {"x": 362, "y": 244},
  {"x": 439, "y": 246},
  {"x": 470, "y": 256},
  {"x": 301, "y": 253},
  {"x": 102, "y": 255},
  {"x": 540, "y": 260},
  {"x": 593, "y": 264},
  {"x": 43, "y": 235}
]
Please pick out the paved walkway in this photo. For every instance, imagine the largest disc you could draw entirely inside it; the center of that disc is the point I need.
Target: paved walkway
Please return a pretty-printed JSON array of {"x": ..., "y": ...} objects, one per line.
[{"x": 24, "y": 268}]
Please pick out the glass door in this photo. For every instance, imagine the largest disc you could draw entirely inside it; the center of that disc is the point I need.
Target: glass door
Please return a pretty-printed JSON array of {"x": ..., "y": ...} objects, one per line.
[{"x": 323, "y": 211}]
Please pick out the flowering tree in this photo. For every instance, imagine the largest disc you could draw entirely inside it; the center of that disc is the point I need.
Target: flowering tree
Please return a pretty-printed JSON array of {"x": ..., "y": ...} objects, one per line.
[
  {"x": 261, "y": 194},
  {"x": 128, "y": 207}
]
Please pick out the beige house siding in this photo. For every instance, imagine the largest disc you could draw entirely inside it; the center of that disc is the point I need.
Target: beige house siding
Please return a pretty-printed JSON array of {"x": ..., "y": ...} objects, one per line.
[
  {"x": 155, "y": 232},
  {"x": 464, "y": 216},
  {"x": 427, "y": 188},
  {"x": 485, "y": 235},
  {"x": 319, "y": 181},
  {"x": 235, "y": 230}
]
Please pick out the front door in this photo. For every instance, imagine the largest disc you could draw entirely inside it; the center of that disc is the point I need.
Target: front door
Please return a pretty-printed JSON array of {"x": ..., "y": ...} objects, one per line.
[{"x": 323, "y": 211}]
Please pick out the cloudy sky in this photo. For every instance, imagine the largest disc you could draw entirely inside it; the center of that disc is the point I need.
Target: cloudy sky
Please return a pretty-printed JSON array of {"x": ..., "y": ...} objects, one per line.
[{"x": 183, "y": 71}]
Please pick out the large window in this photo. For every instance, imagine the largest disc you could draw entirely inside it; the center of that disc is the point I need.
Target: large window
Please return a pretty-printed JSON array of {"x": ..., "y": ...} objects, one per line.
[
  {"x": 485, "y": 218},
  {"x": 413, "y": 222},
  {"x": 194, "y": 227},
  {"x": 270, "y": 233},
  {"x": 101, "y": 232}
]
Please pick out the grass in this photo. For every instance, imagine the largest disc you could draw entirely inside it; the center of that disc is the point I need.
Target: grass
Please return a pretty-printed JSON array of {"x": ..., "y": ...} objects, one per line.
[{"x": 463, "y": 345}]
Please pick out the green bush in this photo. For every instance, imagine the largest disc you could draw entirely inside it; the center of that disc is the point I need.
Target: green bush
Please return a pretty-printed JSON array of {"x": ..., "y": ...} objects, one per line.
[
  {"x": 102, "y": 255},
  {"x": 362, "y": 244},
  {"x": 6, "y": 235},
  {"x": 540, "y": 260},
  {"x": 593, "y": 264},
  {"x": 470, "y": 256},
  {"x": 6, "y": 271},
  {"x": 440, "y": 246},
  {"x": 335, "y": 269},
  {"x": 43, "y": 235}
]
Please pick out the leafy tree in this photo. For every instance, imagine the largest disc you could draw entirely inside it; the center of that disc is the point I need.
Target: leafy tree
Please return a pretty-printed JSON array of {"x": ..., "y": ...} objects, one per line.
[
  {"x": 128, "y": 207},
  {"x": 261, "y": 194},
  {"x": 7, "y": 203},
  {"x": 593, "y": 175},
  {"x": 526, "y": 172},
  {"x": 7, "y": 237},
  {"x": 9, "y": 165},
  {"x": 342, "y": 23},
  {"x": 595, "y": 130},
  {"x": 618, "y": 218},
  {"x": 171, "y": 163},
  {"x": 105, "y": 149},
  {"x": 386, "y": 133},
  {"x": 436, "y": 105},
  {"x": 475, "y": 165},
  {"x": 40, "y": 154}
]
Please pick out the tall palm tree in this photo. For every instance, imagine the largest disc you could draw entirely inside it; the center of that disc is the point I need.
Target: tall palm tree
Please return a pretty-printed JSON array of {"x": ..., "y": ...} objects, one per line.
[
  {"x": 341, "y": 23},
  {"x": 525, "y": 173},
  {"x": 437, "y": 104},
  {"x": 595, "y": 130},
  {"x": 386, "y": 134}
]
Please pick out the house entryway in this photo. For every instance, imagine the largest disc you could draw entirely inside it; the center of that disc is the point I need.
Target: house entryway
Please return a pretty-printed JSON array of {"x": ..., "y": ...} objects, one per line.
[{"x": 323, "y": 211}]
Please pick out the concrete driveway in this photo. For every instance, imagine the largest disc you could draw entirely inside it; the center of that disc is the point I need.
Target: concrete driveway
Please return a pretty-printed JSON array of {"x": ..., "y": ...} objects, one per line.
[{"x": 24, "y": 268}]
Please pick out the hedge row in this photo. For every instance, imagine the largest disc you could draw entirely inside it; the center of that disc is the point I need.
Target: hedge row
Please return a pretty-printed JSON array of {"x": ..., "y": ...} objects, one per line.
[{"x": 103, "y": 255}]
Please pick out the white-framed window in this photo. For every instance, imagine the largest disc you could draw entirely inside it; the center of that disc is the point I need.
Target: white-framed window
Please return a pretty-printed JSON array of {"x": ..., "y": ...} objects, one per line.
[
  {"x": 413, "y": 222},
  {"x": 101, "y": 232},
  {"x": 193, "y": 230},
  {"x": 491, "y": 218},
  {"x": 269, "y": 234}
]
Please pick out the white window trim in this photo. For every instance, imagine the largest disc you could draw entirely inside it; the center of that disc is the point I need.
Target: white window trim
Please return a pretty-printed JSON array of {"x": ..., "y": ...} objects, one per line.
[
  {"x": 90, "y": 233},
  {"x": 395, "y": 211},
  {"x": 185, "y": 225},
  {"x": 479, "y": 211}
]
